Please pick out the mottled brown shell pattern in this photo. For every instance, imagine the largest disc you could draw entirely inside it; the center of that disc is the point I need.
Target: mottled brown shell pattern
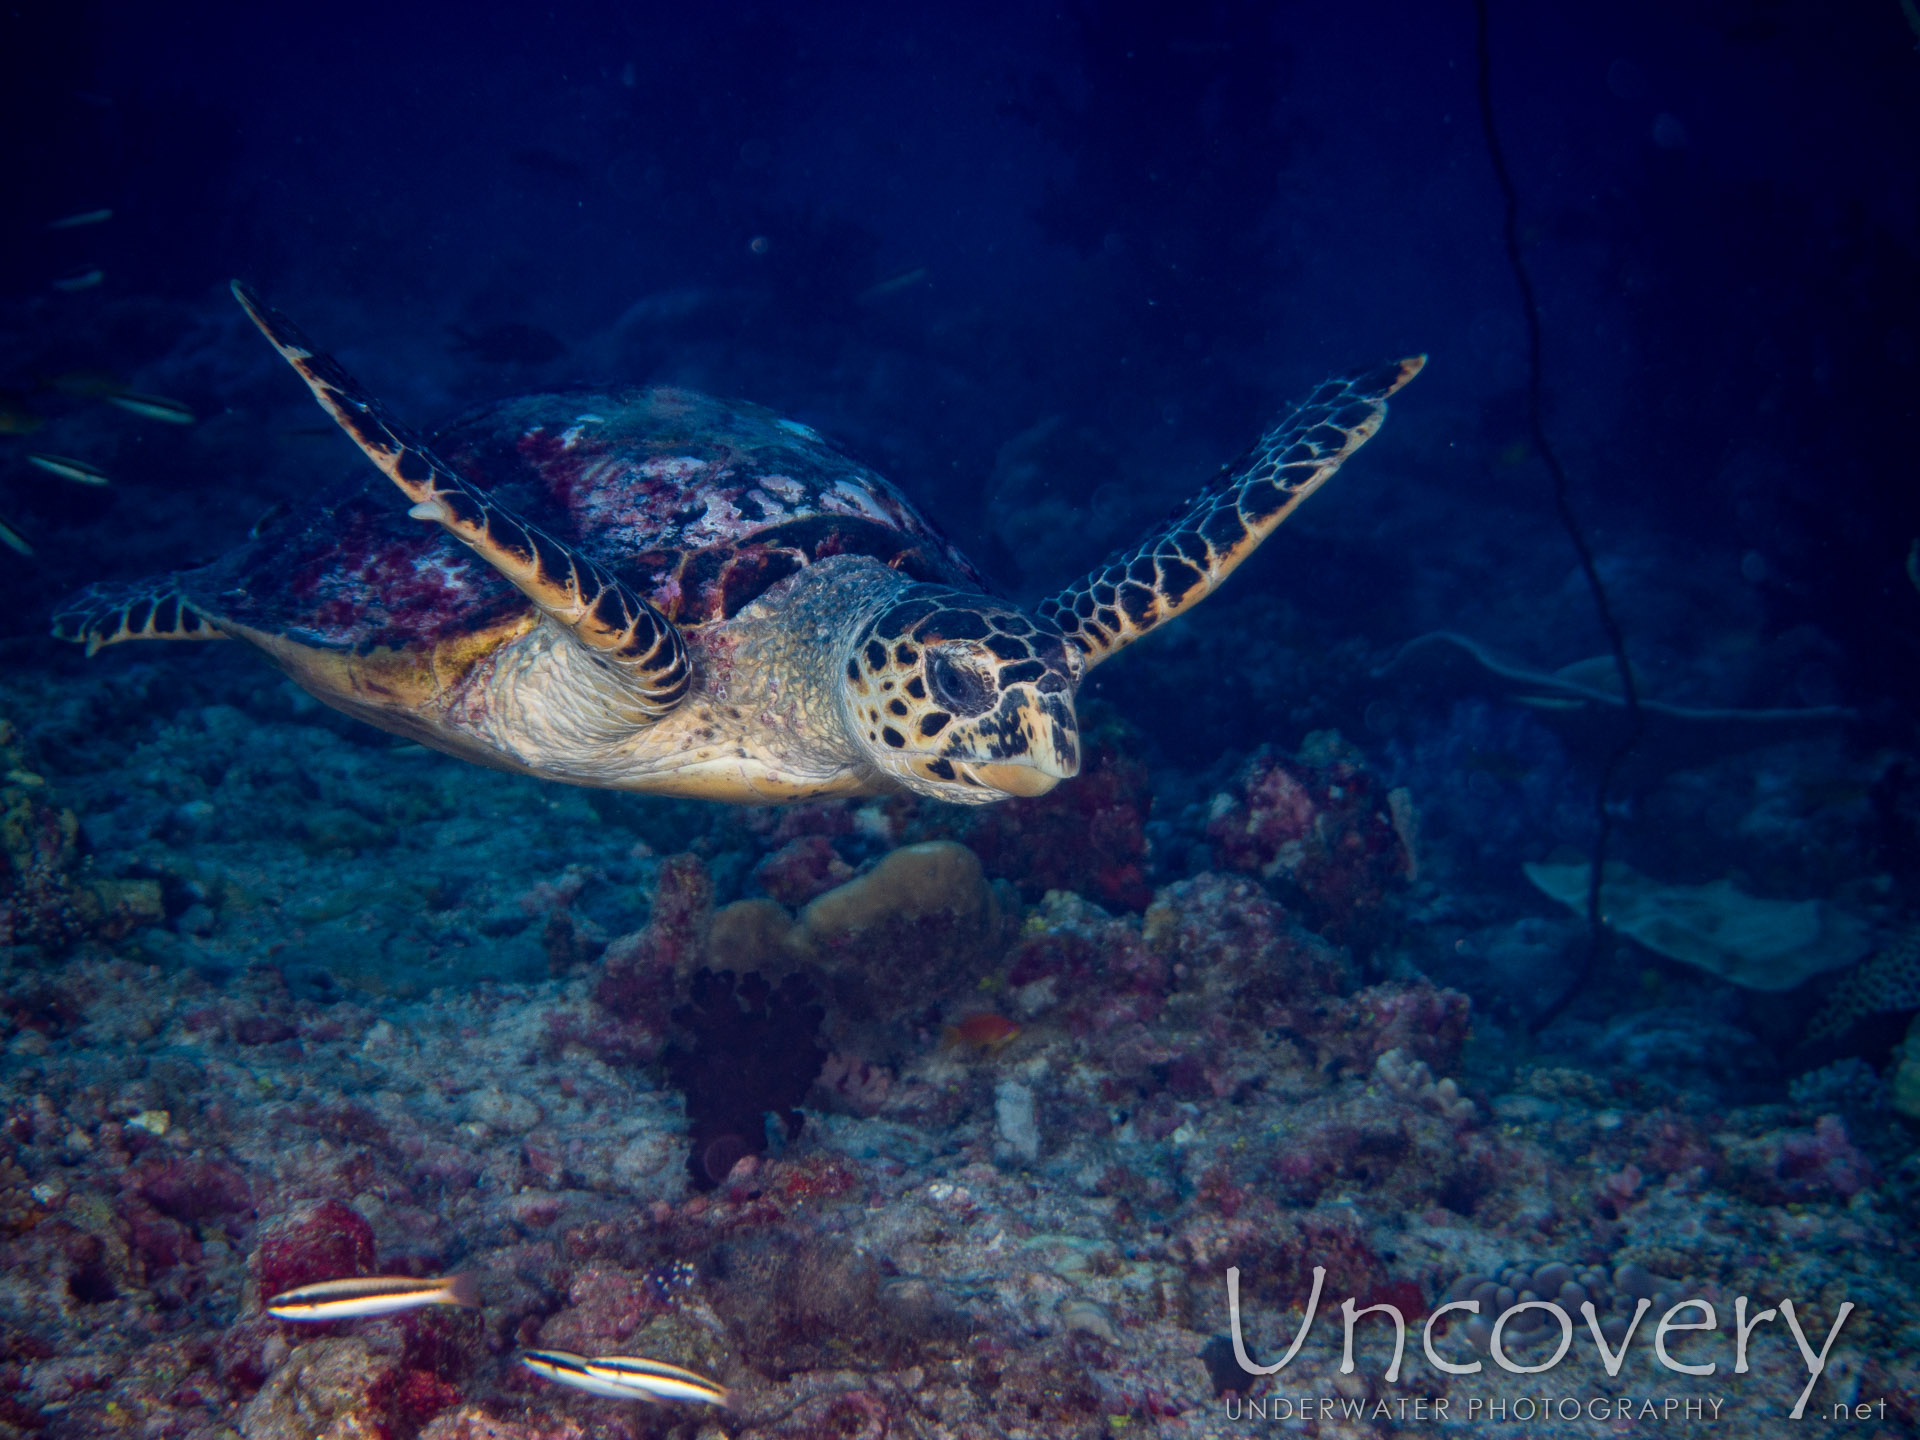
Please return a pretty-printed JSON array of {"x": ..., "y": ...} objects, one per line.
[{"x": 698, "y": 506}]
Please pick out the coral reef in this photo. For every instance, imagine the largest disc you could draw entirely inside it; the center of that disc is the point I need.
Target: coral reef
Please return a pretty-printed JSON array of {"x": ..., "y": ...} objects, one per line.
[
  {"x": 1324, "y": 830},
  {"x": 802, "y": 869},
  {"x": 322, "y": 1240},
  {"x": 884, "y": 948},
  {"x": 839, "y": 1119},
  {"x": 751, "y": 1054},
  {"x": 917, "y": 1122},
  {"x": 1613, "y": 1298},
  {"x": 1089, "y": 837},
  {"x": 1887, "y": 981},
  {"x": 1413, "y": 1078},
  {"x": 1784, "y": 1166},
  {"x": 46, "y": 899},
  {"x": 1753, "y": 943},
  {"x": 923, "y": 918},
  {"x": 1906, "y": 1074},
  {"x": 640, "y": 973}
]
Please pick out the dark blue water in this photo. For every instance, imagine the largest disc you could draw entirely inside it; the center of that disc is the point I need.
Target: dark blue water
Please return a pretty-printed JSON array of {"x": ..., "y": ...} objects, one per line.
[{"x": 1046, "y": 269}]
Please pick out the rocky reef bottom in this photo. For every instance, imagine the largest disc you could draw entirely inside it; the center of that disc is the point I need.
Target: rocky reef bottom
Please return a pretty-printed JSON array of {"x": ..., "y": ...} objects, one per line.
[{"x": 893, "y": 1127}]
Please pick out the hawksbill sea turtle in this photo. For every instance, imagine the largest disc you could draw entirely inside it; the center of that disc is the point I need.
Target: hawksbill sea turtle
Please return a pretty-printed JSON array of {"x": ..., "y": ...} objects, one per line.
[{"x": 648, "y": 589}]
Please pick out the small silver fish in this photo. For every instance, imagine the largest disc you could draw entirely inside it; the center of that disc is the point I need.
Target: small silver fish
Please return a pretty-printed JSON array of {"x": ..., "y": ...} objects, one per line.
[
  {"x": 13, "y": 540},
  {"x": 153, "y": 407},
  {"x": 372, "y": 1295},
  {"x": 624, "y": 1377},
  {"x": 267, "y": 521},
  {"x": 1552, "y": 702},
  {"x": 893, "y": 284},
  {"x": 77, "y": 471},
  {"x": 85, "y": 217},
  {"x": 80, "y": 280}
]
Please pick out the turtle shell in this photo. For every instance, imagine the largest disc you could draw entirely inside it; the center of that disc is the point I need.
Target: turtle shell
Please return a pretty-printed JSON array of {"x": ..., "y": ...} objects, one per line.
[{"x": 702, "y": 505}]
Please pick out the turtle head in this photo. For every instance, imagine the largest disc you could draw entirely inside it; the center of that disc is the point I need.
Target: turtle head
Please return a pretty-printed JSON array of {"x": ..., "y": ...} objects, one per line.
[{"x": 962, "y": 697}]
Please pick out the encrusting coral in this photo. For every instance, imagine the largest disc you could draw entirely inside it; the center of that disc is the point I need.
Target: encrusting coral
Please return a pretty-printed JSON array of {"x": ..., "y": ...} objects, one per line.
[
  {"x": 1753, "y": 943},
  {"x": 858, "y": 1226},
  {"x": 1905, "y": 1088},
  {"x": 1583, "y": 702},
  {"x": 922, "y": 922},
  {"x": 1089, "y": 837},
  {"x": 45, "y": 898},
  {"x": 1324, "y": 829},
  {"x": 1886, "y": 981}
]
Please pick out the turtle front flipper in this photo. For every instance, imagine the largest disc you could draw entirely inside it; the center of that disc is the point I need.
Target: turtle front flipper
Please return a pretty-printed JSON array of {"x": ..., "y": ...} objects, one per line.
[
  {"x": 1179, "y": 566},
  {"x": 107, "y": 614},
  {"x": 616, "y": 625}
]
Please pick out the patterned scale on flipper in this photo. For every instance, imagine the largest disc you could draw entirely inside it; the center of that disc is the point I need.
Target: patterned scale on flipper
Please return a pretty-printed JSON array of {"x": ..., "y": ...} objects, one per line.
[{"x": 1171, "y": 571}]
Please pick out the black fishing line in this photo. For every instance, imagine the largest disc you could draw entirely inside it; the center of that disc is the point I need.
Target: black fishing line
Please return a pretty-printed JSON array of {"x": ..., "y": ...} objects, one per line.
[{"x": 1599, "y": 938}]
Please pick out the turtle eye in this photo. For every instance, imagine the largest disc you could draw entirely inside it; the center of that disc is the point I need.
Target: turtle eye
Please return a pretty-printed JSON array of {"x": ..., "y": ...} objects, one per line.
[{"x": 958, "y": 685}]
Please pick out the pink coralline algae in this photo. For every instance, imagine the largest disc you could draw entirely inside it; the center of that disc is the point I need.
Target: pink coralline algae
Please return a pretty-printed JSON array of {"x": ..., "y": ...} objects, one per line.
[
  {"x": 1088, "y": 836},
  {"x": 410, "y": 1398},
  {"x": 323, "y": 1241},
  {"x": 1322, "y": 829},
  {"x": 1795, "y": 1165},
  {"x": 605, "y": 1305},
  {"x": 1413, "y": 1016},
  {"x": 1099, "y": 970},
  {"x": 1671, "y": 1143},
  {"x": 801, "y": 869},
  {"x": 635, "y": 987},
  {"x": 365, "y": 1386}
]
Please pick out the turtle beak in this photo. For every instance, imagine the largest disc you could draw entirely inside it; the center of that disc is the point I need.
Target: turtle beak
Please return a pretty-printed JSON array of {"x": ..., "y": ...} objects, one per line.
[
  {"x": 1048, "y": 748},
  {"x": 1022, "y": 780}
]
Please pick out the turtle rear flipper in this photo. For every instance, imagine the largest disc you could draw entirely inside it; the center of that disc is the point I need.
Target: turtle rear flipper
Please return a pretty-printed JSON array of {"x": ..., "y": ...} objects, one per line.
[
  {"x": 1179, "y": 566},
  {"x": 634, "y": 641},
  {"x": 155, "y": 610}
]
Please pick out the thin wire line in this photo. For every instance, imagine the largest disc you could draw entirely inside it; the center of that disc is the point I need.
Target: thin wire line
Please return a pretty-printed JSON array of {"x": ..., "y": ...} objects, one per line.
[{"x": 1599, "y": 938}]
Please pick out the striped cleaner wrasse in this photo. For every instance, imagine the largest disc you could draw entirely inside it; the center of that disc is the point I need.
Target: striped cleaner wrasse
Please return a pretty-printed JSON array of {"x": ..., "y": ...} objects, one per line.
[
  {"x": 624, "y": 1377},
  {"x": 372, "y": 1295}
]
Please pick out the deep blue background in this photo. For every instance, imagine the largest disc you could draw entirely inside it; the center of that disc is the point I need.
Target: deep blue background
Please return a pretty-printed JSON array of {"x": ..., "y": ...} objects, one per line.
[{"x": 1141, "y": 227}]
